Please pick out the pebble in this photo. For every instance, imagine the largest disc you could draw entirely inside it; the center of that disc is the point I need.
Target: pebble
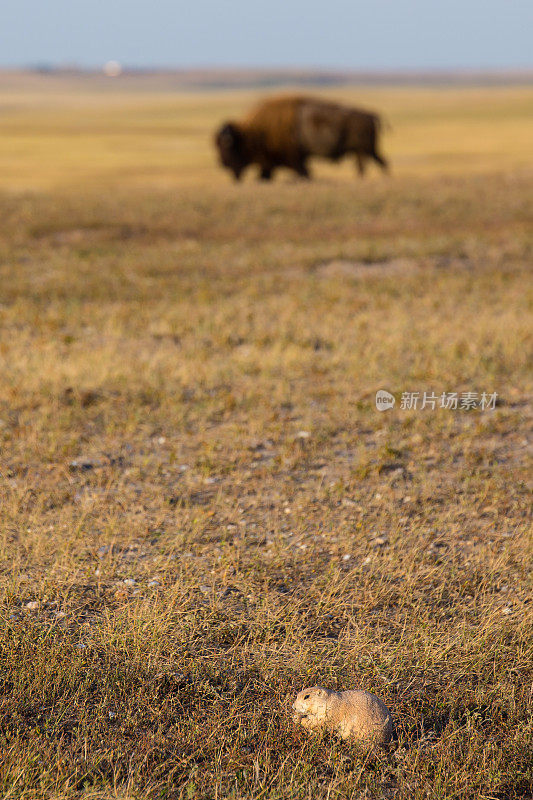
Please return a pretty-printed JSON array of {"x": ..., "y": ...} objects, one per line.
[
  {"x": 507, "y": 610},
  {"x": 33, "y": 605},
  {"x": 129, "y": 582},
  {"x": 153, "y": 583},
  {"x": 346, "y": 557}
]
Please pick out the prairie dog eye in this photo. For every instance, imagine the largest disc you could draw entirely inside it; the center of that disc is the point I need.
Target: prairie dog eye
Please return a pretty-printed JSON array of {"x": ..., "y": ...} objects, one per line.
[{"x": 307, "y": 696}]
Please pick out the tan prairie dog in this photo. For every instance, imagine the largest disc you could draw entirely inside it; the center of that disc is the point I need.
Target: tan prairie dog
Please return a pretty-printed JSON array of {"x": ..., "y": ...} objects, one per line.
[{"x": 353, "y": 714}]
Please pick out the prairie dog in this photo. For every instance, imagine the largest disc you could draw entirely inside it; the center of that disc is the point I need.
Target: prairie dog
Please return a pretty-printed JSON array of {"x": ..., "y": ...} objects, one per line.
[{"x": 353, "y": 713}]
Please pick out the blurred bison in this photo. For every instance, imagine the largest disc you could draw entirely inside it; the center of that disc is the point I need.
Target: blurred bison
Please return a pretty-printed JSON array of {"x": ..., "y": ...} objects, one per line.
[{"x": 286, "y": 131}]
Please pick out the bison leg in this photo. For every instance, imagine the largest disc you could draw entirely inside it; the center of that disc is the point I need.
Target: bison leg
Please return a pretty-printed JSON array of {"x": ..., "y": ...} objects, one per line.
[
  {"x": 265, "y": 173},
  {"x": 361, "y": 163},
  {"x": 380, "y": 160},
  {"x": 302, "y": 169}
]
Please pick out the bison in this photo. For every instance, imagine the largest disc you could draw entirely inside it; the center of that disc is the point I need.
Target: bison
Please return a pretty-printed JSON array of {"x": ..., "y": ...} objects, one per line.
[{"x": 286, "y": 131}]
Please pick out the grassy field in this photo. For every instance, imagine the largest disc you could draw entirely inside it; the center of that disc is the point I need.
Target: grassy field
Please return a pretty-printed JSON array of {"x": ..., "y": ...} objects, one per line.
[{"x": 202, "y": 510}]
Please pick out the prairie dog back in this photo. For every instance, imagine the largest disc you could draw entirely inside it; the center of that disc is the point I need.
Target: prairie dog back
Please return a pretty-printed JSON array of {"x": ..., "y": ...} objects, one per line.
[{"x": 359, "y": 713}]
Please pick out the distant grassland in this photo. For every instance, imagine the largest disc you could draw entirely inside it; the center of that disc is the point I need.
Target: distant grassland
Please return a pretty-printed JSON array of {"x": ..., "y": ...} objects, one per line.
[
  {"x": 201, "y": 509},
  {"x": 52, "y": 137}
]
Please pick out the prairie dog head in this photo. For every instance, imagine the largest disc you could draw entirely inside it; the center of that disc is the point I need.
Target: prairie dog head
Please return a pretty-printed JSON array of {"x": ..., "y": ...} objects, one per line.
[{"x": 310, "y": 706}]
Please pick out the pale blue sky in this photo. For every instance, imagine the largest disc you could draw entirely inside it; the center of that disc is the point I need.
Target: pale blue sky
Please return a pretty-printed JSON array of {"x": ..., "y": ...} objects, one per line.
[{"x": 374, "y": 34}]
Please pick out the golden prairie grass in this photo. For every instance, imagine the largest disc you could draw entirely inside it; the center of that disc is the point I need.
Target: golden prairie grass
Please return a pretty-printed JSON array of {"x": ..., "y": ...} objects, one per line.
[{"x": 200, "y": 503}]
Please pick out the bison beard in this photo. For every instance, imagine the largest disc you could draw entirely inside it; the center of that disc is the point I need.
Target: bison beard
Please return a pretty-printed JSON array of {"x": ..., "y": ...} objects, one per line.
[{"x": 286, "y": 131}]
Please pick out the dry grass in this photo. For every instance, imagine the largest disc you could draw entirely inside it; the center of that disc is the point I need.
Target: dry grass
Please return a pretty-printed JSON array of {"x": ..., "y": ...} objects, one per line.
[
  {"x": 62, "y": 134},
  {"x": 167, "y": 337}
]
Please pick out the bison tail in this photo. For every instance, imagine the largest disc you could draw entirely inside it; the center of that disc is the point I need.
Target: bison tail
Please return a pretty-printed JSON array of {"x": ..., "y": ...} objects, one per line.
[{"x": 382, "y": 123}]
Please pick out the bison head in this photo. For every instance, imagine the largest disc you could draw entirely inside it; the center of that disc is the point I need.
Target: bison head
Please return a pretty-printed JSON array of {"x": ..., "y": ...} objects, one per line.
[{"x": 232, "y": 149}]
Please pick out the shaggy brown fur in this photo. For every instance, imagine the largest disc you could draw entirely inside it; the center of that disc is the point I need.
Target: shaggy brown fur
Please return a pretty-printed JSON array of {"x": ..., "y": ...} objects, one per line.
[{"x": 286, "y": 131}]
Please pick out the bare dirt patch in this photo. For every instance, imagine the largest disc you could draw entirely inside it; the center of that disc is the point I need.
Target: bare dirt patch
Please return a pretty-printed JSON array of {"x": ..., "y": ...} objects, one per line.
[{"x": 362, "y": 269}]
